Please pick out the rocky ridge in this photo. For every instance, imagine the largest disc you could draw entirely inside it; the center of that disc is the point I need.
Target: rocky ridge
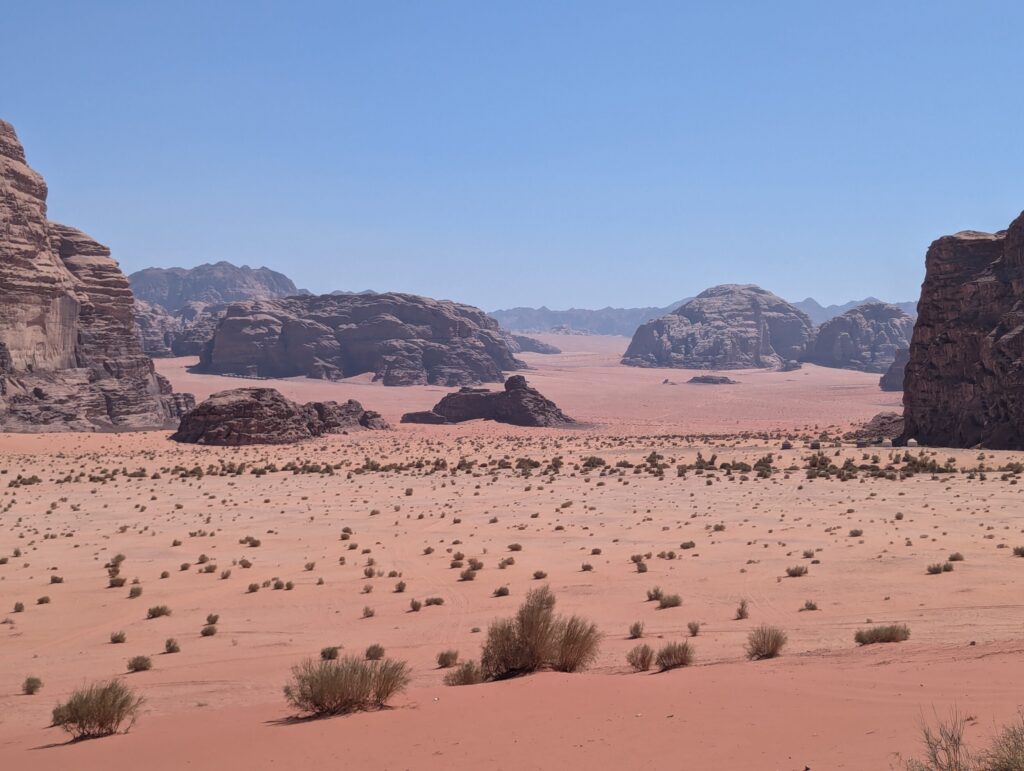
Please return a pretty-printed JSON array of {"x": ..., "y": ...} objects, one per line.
[{"x": 864, "y": 338}]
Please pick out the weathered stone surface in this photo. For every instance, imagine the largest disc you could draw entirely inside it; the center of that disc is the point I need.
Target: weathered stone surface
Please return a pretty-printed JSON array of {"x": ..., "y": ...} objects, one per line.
[
  {"x": 210, "y": 284},
  {"x": 185, "y": 332},
  {"x": 884, "y": 425},
  {"x": 711, "y": 380},
  {"x": 518, "y": 404},
  {"x": 70, "y": 357},
  {"x": 522, "y": 343},
  {"x": 865, "y": 338},
  {"x": 892, "y": 380},
  {"x": 733, "y": 326},
  {"x": 964, "y": 382},
  {"x": 245, "y": 416},
  {"x": 402, "y": 339}
]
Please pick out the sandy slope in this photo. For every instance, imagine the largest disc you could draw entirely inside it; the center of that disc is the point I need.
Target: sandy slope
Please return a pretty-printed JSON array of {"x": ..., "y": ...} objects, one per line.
[{"x": 218, "y": 704}]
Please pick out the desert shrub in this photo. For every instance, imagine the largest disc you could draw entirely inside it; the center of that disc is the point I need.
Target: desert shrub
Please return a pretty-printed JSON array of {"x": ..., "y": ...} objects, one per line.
[
  {"x": 889, "y": 633},
  {"x": 208, "y": 631},
  {"x": 674, "y": 655},
  {"x": 348, "y": 684},
  {"x": 44, "y": 600},
  {"x": 641, "y": 567},
  {"x": 375, "y": 652},
  {"x": 56, "y": 580},
  {"x": 501, "y": 591},
  {"x": 118, "y": 637},
  {"x": 654, "y": 594},
  {"x": 742, "y": 610},
  {"x": 135, "y": 592},
  {"x": 400, "y": 587},
  {"x": 171, "y": 645},
  {"x": 330, "y": 653},
  {"x": 19, "y": 607},
  {"x": 577, "y": 644},
  {"x": 670, "y": 601},
  {"x": 539, "y": 575},
  {"x": 467, "y": 575},
  {"x": 796, "y": 571},
  {"x": 139, "y": 664},
  {"x": 640, "y": 657},
  {"x": 935, "y": 569},
  {"x": 446, "y": 659},
  {"x": 99, "y": 709},
  {"x": 586, "y": 567},
  {"x": 466, "y": 673},
  {"x": 31, "y": 686},
  {"x": 856, "y": 533},
  {"x": 415, "y": 605},
  {"x": 157, "y": 611},
  {"x": 956, "y": 557},
  {"x": 694, "y": 628},
  {"x": 765, "y": 642},
  {"x": 368, "y": 612},
  {"x": 809, "y": 605},
  {"x": 1018, "y": 551},
  {"x": 212, "y": 618},
  {"x": 434, "y": 601},
  {"x": 636, "y": 630},
  {"x": 253, "y": 588}
]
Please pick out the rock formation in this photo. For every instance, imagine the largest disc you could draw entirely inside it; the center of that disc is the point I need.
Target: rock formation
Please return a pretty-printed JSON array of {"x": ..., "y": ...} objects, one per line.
[
  {"x": 892, "y": 380},
  {"x": 518, "y": 404},
  {"x": 584, "y": 321},
  {"x": 264, "y": 416},
  {"x": 522, "y": 343},
  {"x": 819, "y": 314},
  {"x": 402, "y": 339},
  {"x": 733, "y": 326},
  {"x": 865, "y": 338},
  {"x": 210, "y": 284},
  {"x": 884, "y": 425},
  {"x": 711, "y": 380},
  {"x": 182, "y": 333},
  {"x": 964, "y": 382},
  {"x": 70, "y": 357}
]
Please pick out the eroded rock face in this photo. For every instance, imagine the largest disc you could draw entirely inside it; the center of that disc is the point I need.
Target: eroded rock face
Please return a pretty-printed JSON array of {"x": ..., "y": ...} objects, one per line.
[
  {"x": 518, "y": 404},
  {"x": 964, "y": 381},
  {"x": 402, "y": 339},
  {"x": 210, "y": 284},
  {"x": 865, "y": 338},
  {"x": 523, "y": 343},
  {"x": 884, "y": 425},
  {"x": 185, "y": 332},
  {"x": 733, "y": 326},
  {"x": 245, "y": 416},
  {"x": 70, "y": 357},
  {"x": 892, "y": 380}
]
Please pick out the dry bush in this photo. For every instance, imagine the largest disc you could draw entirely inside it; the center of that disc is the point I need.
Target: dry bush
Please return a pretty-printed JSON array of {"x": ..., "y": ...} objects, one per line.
[
  {"x": 577, "y": 644},
  {"x": 348, "y": 684},
  {"x": 466, "y": 673},
  {"x": 669, "y": 601},
  {"x": 946, "y": 750},
  {"x": 640, "y": 657},
  {"x": 674, "y": 655},
  {"x": 31, "y": 686},
  {"x": 636, "y": 630},
  {"x": 889, "y": 633},
  {"x": 99, "y": 709},
  {"x": 139, "y": 664},
  {"x": 765, "y": 642},
  {"x": 447, "y": 659}
]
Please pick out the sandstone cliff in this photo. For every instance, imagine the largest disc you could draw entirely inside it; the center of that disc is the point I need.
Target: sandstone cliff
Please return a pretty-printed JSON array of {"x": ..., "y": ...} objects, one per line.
[
  {"x": 70, "y": 357},
  {"x": 964, "y": 382},
  {"x": 865, "y": 338},
  {"x": 892, "y": 380},
  {"x": 402, "y": 339},
  {"x": 732, "y": 326},
  {"x": 210, "y": 284}
]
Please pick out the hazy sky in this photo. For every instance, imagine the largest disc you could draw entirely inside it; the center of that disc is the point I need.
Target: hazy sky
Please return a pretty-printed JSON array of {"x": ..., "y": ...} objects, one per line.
[{"x": 521, "y": 153}]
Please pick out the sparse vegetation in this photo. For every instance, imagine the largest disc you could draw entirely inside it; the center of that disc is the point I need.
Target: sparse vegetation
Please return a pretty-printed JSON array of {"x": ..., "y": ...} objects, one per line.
[
  {"x": 640, "y": 657},
  {"x": 890, "y": 633},
  {"x": 674, "y": 655},
  {"x": 765, "y": 642},
  {"x": 349, "y": 684},
  {"x": 98, "y": 710}
]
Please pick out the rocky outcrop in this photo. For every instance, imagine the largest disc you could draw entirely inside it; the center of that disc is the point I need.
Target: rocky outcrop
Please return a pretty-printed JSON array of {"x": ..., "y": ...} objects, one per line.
[
  {"x": 182, "y": 333},
  {"x": 518, "y": 404},
  {"x": 711, "y": 380},
  {"x": 401, "y": 339},
  {"x": 245, "y": 416},
  {"x": 210, "y": 284},
  {"x": 892, "y": 380},
  {"x": 865, "y": 338},
  {"x": 733, "y": 326},
  {"x": 524, "y": 344},
  {"x": 885, "y": 425},
  {"x": 70, "y": 357},
  {"x": 964, "y": 382},
  {"x": 819, "y": 313}
]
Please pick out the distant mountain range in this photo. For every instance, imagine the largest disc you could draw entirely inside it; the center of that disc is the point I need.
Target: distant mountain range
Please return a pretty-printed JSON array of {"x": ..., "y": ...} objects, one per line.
[{"x": 624, "y": 321}]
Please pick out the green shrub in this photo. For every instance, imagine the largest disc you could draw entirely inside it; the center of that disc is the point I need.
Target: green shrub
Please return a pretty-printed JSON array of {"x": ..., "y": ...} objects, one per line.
[
  {"x": 348, "y": 684},
  {"x": 99, "y": 709}
]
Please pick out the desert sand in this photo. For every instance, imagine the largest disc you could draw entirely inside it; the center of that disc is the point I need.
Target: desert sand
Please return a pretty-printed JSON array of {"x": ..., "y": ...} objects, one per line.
[{"x": 825, "y": 703}]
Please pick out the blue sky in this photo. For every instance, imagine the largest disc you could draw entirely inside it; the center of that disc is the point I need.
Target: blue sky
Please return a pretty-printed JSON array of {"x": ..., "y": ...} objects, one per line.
[{"x": 525, "y": 153}]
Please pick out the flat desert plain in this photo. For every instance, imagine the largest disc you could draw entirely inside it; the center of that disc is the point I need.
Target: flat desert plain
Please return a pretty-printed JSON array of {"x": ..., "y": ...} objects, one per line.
[{"x": 197, "y": 526}]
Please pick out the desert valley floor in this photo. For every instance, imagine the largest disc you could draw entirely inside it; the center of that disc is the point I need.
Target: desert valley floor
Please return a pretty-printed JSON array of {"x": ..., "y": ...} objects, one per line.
[{"x": 70, "y": 502}]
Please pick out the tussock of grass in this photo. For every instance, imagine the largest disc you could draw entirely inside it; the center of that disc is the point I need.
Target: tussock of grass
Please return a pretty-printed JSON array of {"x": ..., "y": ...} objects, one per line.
[
  {"x": 97, "y": 710},
  {"x": 889, "y": 633},
  {"x": 349, "y": 684}
]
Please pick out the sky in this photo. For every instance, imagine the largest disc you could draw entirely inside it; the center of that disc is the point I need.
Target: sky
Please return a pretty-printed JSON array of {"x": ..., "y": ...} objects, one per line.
[{"x": 568, "y": 154}]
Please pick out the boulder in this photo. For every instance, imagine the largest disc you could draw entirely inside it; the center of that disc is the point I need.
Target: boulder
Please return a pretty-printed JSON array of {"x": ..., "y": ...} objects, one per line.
[
  {"x": 711, "y": 380},
  {"x": 244, "y": 416},
  {"x": 733, "y": 326},
  {"x": 70, "y": 357},
  {"x": 892, "y": 380},
  {"x": 964, "y": 381},
  {"x": 518, "y": 404},
  {"x": 865, "y": 338},
  {"x": 401, "y": 339}
]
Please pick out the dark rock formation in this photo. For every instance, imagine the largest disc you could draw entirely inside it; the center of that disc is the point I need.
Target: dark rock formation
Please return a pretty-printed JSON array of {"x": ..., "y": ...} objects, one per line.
[
  {"x": 209, "y": 284},
  {"x": 819, "y": 314},
  {"x": 522, "y": 343},
  {"x": 70, "y": 357},
  {"x": 964, "y": 382},
  {"x": 264, "y": 416},
  {"x": 885, "y": 425},
  {"x": 185, "y": 332},
  {"x": 732, "y": 326},
  {"x": 518, "y": 404},
  {"x": 402, "y": 339},
  {"x": 865, "y": 338},
  {"x": 892, "y": 380},
  {"x": 712, "y": 380}
]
